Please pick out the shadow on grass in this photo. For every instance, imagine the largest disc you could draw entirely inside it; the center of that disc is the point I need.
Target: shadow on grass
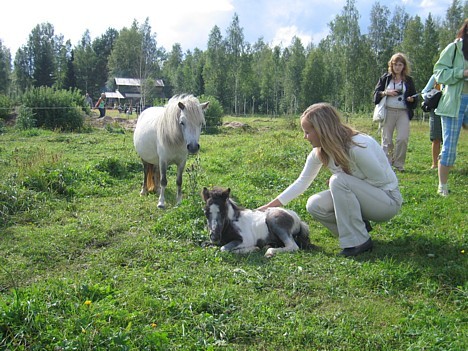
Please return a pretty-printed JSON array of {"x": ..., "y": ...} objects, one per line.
[{"x": 437, "y": 259}]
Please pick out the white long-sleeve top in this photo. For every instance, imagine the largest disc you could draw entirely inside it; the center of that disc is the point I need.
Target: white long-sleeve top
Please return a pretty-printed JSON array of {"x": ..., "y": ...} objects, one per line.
[{"x": 367, "y": 162}]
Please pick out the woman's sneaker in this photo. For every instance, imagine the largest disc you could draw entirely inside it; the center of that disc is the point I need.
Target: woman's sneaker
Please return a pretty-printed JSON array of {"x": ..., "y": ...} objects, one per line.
[{"x": 443, "y": 190}]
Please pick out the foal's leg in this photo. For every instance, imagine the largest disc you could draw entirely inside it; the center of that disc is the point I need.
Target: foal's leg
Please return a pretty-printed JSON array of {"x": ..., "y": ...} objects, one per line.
[
  {"x": 180, "y": 172},
  {"x": 281, "y": 224},
  {"x": 289, "y": 245},
  {"x": 163, "y": 176},
  {"x": 236, "y": 247}
]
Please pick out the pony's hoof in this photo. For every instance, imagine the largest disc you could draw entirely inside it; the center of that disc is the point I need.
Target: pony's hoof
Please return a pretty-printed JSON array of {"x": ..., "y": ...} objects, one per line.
[
  {"x": 143, "y": 193},
  {"x": 161, "y": 206},
  {"x": 270, "y": 253}
]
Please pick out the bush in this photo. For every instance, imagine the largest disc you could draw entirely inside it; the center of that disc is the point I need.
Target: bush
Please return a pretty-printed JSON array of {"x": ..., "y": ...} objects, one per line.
[
  {"x": 213, "y": 114},
  {"x": 25, "y": 119},
  {"x": 5, "y": 106},
  {"x": 56, "y": 109},
  {"x": 160, "y": 101}
]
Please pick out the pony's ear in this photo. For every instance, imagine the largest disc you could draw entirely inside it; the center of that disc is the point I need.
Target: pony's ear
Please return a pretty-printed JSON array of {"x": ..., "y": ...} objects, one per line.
[
  {"x": 204, "y": 106},
  {"x": 181, "y": 105},
  {"x": 227, "y": 192},
  {"x": 205, "y": 194}
]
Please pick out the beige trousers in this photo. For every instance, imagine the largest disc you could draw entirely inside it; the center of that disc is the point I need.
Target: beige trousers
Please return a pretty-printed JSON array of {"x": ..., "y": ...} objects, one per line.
[
  {"x": 396, "y": 153},
  {"x": 349, "y": 200}
]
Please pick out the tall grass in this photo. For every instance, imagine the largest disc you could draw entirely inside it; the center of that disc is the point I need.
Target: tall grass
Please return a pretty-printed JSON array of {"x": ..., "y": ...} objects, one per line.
[{"x": 88, "y": 264}]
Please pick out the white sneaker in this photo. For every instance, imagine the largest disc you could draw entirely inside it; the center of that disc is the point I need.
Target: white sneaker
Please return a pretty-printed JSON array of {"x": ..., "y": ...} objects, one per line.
[{"x": 443, "y": 191}]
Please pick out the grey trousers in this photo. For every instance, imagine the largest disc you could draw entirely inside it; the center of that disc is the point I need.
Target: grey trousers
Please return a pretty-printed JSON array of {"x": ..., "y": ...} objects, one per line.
[
  {"x": 396, "y": 153},
  {"x": 349, "y": 200}
]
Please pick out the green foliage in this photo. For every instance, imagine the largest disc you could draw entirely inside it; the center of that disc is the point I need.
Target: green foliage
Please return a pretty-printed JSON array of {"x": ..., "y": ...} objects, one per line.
[
  {"x": 114, "y": 167},
  {"x": 213, "y": 114},
  {"x": 6, "y": 106},
  {"x": 88, "y": 264},
  {"x": 115, "y": 128},
  {"x": 56, "y": 109},
  {"x": 159, "y": 102},
  {"x": 16, "y": 200},
  {"x": 245, "y": 78},
  {"x": 25, "y": 119}
]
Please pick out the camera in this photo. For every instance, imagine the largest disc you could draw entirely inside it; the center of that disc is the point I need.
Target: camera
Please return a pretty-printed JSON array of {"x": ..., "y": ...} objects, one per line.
[{"x": 399, "y": 92}]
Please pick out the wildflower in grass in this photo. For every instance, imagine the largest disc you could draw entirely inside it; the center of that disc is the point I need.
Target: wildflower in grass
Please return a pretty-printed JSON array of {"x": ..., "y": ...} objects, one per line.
[
  {"x": 153, "y": 325},
  {"x": 87, "y": 302},
  {"x": 462, "y": 252}
]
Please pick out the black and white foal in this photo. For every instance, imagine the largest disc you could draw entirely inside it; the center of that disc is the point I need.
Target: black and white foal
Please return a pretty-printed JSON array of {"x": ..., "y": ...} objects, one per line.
[{"x": 241, "y": 230}]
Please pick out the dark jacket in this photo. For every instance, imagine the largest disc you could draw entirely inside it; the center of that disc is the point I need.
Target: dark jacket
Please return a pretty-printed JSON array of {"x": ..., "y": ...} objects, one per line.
[{"x": 410, "y": 90}]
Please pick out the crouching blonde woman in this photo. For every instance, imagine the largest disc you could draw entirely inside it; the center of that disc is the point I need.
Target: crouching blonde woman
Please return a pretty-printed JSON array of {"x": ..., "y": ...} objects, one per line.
[{"x": 363, "y": 186}]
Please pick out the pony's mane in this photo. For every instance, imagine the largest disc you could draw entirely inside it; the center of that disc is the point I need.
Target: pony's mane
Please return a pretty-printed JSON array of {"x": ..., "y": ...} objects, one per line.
[{"x": 169, "y": 125}]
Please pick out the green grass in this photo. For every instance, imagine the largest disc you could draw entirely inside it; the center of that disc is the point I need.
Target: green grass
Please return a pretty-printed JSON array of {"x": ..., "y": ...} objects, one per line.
[{"x": 88, "y": 264}]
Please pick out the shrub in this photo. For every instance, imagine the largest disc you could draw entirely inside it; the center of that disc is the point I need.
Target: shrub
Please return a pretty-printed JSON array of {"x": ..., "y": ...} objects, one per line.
[
  {"x": 160, "y": 101},
  {"x": 5, "y": 106},
  {"x": 56, "y": 109},
  {"x": 25, "y": 119},
  {"x": 213, "y": 114},
  {"x": 113, "y": 166}
]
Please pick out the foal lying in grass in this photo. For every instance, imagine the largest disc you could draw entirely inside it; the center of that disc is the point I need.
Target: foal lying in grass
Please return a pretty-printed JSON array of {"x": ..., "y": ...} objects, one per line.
[{"x": 242, "y": 230}]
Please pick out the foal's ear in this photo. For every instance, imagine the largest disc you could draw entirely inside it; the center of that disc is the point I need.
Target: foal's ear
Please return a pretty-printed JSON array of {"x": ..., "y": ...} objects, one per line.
[
  {"x": 181, "y": 105},
  {"x": 205, "y": 194},
  {"x": 227, "y": 192},
  {"x": 204, "y": 106}
]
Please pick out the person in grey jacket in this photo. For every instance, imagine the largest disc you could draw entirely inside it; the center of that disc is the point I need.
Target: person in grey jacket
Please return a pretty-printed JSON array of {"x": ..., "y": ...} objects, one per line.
[{"x": 450, "y": 70}]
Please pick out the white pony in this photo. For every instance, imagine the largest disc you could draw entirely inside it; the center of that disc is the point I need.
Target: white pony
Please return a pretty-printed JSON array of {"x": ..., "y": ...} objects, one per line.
[
  {"x": 241, "y": 230},
  {"x": 166, "y": 135}
]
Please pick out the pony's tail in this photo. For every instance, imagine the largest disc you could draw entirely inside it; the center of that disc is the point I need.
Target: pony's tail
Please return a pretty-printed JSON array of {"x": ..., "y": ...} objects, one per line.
[
  {"x": 302, "y": 238},
  {"x": 150, "y": 178}
]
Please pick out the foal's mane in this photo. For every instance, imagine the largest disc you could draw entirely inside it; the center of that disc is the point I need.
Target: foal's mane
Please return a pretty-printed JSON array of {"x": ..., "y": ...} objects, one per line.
[{"x": 169, "y": 124}]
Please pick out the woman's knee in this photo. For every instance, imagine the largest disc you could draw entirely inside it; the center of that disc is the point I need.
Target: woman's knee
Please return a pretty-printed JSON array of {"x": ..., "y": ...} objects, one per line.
[
  {"x": 320, "y": 205},
  {"x": 337, "y": 181},
  {"x": 313, "y": 206}
]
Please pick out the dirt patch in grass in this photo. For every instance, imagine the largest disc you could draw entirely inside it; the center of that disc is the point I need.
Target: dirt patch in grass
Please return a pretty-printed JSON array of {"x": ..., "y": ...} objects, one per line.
[{"x": 128, "y": 124}]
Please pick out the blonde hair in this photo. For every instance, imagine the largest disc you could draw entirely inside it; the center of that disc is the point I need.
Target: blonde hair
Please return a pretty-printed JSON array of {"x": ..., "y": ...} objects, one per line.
[
  {"x": 399, "y": 57},
  {"x": 335, "y": 137}
]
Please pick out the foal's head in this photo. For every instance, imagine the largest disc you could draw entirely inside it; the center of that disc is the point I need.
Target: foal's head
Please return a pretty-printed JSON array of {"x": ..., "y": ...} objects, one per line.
[{"x": 216, "y": 211}]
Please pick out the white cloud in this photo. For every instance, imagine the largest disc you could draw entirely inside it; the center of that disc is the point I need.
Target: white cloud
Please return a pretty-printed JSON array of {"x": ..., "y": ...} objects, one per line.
[
  {"x": 283, "y": 36},
  {"x": 189, "y": 22}
]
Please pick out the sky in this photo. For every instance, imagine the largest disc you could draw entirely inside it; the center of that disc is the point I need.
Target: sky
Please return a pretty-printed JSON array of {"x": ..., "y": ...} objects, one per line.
[{"x": 189, "y": 22}]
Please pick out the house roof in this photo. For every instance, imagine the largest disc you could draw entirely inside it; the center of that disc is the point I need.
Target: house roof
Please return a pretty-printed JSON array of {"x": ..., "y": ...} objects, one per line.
[
  {"x": 114, "y": 95},
  {"x": 135, "y": 82},
  {"x": 132, "y": 95}
]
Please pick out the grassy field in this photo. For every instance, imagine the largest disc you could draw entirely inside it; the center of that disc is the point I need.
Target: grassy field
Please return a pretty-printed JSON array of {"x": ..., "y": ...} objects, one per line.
[{"x": 88, "y": 264}]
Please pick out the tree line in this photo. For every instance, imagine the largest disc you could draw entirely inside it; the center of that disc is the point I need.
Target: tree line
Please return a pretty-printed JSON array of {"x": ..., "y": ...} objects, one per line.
[{"x": 342, "y": 68}]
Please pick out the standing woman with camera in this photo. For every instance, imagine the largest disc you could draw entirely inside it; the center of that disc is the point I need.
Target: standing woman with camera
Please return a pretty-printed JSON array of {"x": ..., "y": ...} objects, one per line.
[{"x": 400, "y": 91}]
